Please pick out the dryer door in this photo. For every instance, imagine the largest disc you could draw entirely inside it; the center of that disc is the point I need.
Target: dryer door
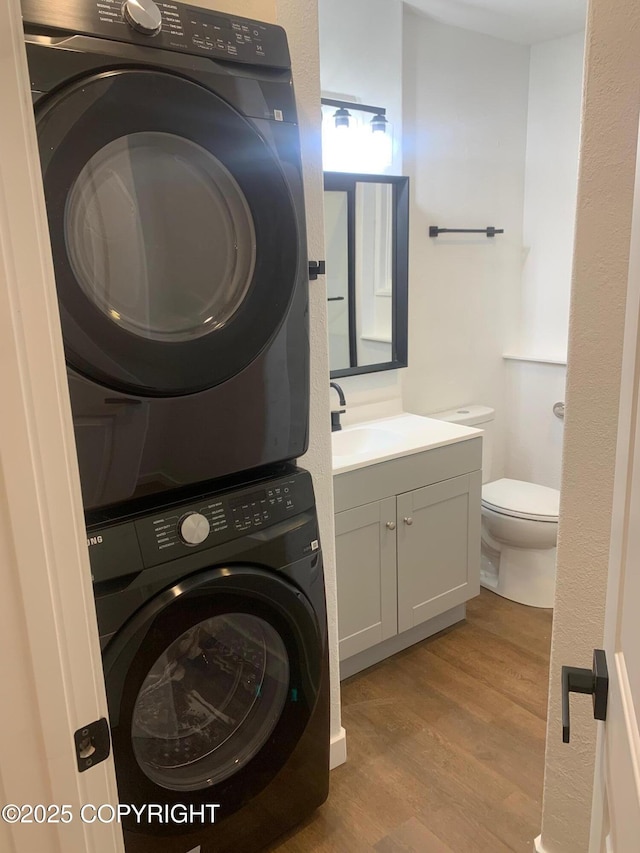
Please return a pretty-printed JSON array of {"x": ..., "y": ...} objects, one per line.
[
  {"x": 174, "y": 234},
  {"x": 210, "y": 688}
]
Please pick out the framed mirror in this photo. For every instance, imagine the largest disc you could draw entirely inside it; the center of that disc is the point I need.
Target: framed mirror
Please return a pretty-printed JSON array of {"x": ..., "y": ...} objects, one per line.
[{"x": 367, "y": 253}]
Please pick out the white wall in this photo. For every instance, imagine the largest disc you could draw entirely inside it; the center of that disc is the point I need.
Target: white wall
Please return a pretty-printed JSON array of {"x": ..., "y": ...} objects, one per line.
[
  {"x": 465, "y": 123},
  {"x": 361, "y": 57},
  {"x": 605, "y": 198},
  {"x": 533, "y": 440},
  {"x": 477, "y": 149},
  {"x": 555, "y": 100},
  {"x": 361, "y": 47}
]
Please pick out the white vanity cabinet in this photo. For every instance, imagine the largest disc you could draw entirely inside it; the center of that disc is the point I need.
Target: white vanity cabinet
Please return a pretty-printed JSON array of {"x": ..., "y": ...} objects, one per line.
[{"x": 407, "y": 548}]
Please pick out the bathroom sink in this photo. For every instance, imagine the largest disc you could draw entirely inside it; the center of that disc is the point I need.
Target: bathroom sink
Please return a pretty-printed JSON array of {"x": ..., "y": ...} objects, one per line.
[
  {"x": 387, "y": 438},
  {"x": 362, "y": 440}
]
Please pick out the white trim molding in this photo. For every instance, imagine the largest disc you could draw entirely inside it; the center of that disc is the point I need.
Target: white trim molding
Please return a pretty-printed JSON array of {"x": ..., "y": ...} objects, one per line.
[
  {"x": 536, "y": 359},
  {"x": 338, "y": 751},
  {"x": 537, "y": 845}
]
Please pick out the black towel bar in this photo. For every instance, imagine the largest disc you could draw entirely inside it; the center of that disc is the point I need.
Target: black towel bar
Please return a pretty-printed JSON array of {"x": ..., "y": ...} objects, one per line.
[{"x": 490, "y": 231}]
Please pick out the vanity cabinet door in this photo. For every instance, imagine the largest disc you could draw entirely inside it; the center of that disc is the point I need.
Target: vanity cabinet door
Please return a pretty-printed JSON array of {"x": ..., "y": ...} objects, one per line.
[
  {"x": 438, "y": 548},
  {"x": 366, "y": 561}
]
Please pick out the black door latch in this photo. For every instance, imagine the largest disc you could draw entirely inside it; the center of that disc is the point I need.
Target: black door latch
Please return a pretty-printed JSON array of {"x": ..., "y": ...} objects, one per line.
[
  {"x": 594, "y": 681},
  {"x": 316, "y": 268},
  {"x": 93, "y": 744}
]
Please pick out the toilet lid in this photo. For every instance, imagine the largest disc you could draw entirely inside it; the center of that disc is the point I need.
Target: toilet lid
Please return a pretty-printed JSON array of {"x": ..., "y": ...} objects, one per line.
[{"x": 522, "y": 500}]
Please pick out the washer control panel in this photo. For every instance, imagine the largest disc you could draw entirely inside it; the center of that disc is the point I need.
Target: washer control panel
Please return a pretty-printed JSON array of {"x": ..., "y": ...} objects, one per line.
[
  {"x": 178, "y": 530},
  {"x": 168, "y": 25}
]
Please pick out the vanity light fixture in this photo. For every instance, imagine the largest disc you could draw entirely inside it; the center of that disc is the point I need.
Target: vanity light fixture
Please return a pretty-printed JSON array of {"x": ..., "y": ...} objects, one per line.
[
  {"x": 341, "y": 117},
  {"x": 342, "y": 114},
  {"x": 379, "y": 123},
  {"x": 355, "y": 137}
]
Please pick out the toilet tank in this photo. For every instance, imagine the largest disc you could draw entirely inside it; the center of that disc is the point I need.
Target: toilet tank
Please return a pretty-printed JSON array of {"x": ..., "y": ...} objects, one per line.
[{"x": 480, "y": 417}]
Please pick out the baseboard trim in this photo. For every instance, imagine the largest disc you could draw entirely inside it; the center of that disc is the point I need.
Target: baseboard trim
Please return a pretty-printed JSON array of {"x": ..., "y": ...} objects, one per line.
[
  {"x": 537, "y": 845},
  {"x": 338, "y": 749}
]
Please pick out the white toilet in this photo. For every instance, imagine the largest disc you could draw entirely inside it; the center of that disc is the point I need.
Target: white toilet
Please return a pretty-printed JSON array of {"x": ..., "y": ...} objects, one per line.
[{"x": 519, "y": 525}]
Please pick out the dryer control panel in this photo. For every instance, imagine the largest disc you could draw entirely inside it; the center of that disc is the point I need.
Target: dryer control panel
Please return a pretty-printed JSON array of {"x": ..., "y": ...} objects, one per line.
[
  {"x": 168, "y": 25},
  {"x": 177, "y": 530}
]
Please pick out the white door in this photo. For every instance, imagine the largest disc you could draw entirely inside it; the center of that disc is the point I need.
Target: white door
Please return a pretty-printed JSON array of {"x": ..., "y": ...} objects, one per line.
[
  {"x": 50, "y": 668},
  {"x": 616, "y": 812}
]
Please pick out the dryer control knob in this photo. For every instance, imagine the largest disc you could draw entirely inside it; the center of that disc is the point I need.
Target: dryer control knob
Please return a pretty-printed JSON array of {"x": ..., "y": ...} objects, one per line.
[
  {"x": 143, "y": 15},
  {"x": 194, "y": 528}
]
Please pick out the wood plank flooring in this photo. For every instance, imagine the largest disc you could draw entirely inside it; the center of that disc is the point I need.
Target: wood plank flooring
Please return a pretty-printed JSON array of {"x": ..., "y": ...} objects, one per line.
[{"x": 445, "y": 743}]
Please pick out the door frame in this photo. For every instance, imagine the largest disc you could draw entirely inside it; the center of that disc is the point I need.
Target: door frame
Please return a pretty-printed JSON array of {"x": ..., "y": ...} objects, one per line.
[
  {"x": 47, "y": 615},
  {"x": 626, "y": 452},
  {"x": 611, "y": 101}
]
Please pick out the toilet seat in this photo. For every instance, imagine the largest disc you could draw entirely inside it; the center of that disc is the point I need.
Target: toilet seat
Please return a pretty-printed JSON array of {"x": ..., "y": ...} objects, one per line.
[{"x": 519, "y": 499}]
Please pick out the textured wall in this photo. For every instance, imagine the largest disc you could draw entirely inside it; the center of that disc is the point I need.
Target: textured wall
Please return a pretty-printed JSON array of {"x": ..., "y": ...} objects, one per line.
[
  {"x": 605, "y": 195},
  {"x": 300, "y": 19}
]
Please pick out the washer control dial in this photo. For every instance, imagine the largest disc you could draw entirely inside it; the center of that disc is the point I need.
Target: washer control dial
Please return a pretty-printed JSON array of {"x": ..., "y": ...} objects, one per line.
[
  {"x": 143, "y": 16},
  {"x": 193, "y": 528}
]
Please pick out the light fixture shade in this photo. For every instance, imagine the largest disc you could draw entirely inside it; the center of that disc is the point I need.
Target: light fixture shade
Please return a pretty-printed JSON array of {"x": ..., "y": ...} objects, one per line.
[
  {"x": 341, "y": 117},
  {"x": 379, "y": 124}
]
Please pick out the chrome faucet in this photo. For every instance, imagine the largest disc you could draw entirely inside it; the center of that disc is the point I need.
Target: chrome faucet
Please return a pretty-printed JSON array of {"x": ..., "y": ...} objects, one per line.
[{"x": 335, "y": 415}]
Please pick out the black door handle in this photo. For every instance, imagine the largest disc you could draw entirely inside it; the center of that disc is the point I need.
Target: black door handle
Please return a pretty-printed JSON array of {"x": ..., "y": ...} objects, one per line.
[{"x": 594, "y": 681}]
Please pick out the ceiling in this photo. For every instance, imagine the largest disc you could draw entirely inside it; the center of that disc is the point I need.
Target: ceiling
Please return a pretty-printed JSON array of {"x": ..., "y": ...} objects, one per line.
[{"x": 524, "y": 21}]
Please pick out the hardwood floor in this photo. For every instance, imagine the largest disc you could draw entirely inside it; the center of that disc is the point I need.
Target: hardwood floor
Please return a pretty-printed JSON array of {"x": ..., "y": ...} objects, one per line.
[{"x": 445, "y": 743}]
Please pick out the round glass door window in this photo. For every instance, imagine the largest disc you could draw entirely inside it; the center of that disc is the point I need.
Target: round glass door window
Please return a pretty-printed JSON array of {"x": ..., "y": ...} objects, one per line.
[
  {"x": 210, "y": 702},
  {"x": 160, "y": 237}
]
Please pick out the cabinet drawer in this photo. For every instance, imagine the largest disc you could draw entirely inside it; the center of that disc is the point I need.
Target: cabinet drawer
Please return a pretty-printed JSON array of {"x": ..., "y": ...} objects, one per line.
[{"x": 405, "y": 473}]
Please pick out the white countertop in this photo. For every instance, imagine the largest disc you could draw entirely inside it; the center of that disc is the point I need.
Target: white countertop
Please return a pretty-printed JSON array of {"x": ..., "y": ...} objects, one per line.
[{"x": 377, "y": 441}]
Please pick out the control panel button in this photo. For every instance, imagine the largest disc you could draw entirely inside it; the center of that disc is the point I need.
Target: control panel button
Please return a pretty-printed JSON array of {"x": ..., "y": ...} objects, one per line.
[
  {"x": 194, "y": 528},
  {"x": 143, "y": 16}
]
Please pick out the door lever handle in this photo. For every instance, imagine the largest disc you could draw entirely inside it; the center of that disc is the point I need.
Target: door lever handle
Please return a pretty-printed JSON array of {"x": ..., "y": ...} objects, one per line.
[{"x": 594, "y": 681}]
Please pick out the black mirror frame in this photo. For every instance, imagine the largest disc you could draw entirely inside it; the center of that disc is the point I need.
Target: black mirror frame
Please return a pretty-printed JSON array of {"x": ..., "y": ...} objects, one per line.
[{"x": 346, "y": 182}]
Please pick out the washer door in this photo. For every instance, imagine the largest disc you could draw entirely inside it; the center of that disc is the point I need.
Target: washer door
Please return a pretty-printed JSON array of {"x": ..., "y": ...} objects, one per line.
[
  {"x": 174, "y": 235},
  {"x": 210, "y": 688}
]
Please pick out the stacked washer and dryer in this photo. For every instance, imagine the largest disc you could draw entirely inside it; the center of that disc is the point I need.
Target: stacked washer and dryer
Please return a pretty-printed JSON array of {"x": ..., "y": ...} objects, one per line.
[{"x": 170, "y": 157}]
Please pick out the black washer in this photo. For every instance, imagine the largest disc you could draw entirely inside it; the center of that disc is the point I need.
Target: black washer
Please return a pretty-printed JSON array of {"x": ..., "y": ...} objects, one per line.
[{"x": 216, "y": 666}]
